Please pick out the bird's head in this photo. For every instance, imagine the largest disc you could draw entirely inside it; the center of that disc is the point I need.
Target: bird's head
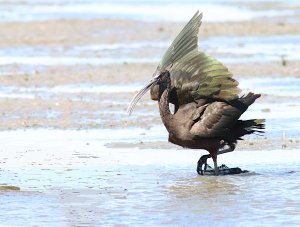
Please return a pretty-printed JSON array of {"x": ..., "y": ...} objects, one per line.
[{"x": 160, "y": 78}]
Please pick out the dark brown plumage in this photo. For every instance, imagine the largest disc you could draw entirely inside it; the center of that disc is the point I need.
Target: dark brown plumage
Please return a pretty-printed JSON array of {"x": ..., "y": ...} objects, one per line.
[
  {"x": 205, "y": 96},
  {"x": 207, "y": 124}
]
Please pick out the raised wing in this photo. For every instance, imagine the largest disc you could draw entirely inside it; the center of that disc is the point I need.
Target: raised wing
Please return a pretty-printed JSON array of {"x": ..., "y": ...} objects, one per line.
[
  {"x": 195, "y": 74},
  {"x": 185, "y": 42}
]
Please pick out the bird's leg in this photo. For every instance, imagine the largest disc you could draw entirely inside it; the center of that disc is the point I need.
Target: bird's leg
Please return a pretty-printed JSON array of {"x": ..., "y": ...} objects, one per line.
[
  {"x": 214, "y": 158},
  {"x": 202, "y": 161},
  {"x": 216, "y": 167}
]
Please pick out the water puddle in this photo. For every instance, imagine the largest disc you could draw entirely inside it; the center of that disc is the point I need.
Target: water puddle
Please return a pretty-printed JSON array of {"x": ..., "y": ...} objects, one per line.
[{"x": 31, "y": 208}]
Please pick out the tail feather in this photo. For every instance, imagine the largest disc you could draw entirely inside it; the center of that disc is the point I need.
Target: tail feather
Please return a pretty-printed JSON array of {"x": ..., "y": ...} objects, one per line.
[
  {"x": 244, "y": 102},
  {"x": 249, "y": 99},
  {"x": 250, "y": 126},
  {"x": 242, "y": 128}
]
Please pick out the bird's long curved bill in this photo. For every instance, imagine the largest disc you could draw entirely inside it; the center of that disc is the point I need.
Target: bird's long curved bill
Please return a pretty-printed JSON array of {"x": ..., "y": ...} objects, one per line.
[{"x": 139, "y": 95}]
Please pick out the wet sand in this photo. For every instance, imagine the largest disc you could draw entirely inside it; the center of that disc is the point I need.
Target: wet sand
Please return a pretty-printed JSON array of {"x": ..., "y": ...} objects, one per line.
[{"x": 79, "y": 159}]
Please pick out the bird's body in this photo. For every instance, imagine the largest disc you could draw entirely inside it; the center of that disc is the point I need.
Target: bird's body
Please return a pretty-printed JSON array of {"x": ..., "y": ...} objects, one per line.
[
  {"x": 205, "y": 95},
  {"x": 180, "y": 127},
  {"x": 209, "y": 125}
]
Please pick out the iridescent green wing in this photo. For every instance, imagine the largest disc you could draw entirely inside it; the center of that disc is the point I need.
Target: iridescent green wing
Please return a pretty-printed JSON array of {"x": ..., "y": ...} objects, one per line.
[
  {"x": 199, "y": 76},
  {"x": 184, "y": 43},
  {"x": 195, "y": 74}
]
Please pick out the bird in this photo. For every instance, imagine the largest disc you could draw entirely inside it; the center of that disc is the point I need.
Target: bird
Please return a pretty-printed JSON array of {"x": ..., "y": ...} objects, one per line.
[{"x": 206, "y": 98}]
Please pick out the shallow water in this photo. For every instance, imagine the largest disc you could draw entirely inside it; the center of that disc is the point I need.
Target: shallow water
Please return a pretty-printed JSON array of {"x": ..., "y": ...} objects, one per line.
[{"x": 71, "y": 176}]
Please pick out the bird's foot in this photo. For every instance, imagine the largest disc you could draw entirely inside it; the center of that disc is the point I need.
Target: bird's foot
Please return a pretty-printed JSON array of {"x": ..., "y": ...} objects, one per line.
[
  {"x": 224, "y": 170},
  {"x": 202, "y": 162}
]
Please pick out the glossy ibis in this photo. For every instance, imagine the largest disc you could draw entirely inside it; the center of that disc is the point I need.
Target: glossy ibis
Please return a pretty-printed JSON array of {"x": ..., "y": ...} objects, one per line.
[{"x": 207, "y": 104}]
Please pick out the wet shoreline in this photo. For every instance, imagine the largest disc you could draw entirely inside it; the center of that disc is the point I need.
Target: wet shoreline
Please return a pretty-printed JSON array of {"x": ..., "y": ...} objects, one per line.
[{"x": 69, "y": 175}]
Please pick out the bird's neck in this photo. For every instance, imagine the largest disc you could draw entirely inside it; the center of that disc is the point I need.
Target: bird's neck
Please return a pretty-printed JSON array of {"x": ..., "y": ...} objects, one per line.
[{"x": 165, "y": 113}]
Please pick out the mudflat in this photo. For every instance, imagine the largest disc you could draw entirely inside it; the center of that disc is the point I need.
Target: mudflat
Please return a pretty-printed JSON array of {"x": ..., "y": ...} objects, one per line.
[{"x": 71, "y": 155}]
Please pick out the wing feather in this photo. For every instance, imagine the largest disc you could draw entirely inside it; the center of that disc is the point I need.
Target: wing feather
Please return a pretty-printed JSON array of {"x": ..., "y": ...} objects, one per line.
[
  {"x": 184, "y": 43},
  {"x": 216, "y": 120},
  {"x": 194, "y": 74}
]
